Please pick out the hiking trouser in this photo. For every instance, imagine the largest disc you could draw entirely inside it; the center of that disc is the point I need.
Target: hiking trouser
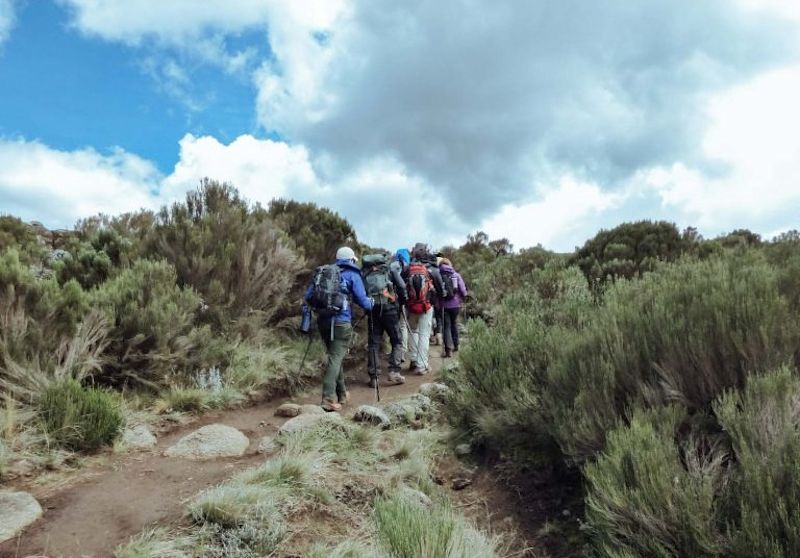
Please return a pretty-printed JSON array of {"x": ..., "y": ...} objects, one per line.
[
  {"x": 384, "y": 320},
  {"x": 451, "y": 328},
  {"x": 404, "y": 332},
  {"x": 420, "y": 325},
  {"x": 333, "y": 386}
]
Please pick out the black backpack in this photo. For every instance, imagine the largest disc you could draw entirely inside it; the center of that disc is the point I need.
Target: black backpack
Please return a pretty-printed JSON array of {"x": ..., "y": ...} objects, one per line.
[
  {"x": 327, "y": 298},
  {"x": 377, "y": 282},
  {"x": 449, "y": 280}
]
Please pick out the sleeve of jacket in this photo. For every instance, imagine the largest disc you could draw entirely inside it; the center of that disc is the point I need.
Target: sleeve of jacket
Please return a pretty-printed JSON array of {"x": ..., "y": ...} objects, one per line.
[
  {"x": 399, "y": 285},
  {"x": 462, "y": 287},
  {"x": 359, "y": 292},
  {"x": 438, "y": 283}
]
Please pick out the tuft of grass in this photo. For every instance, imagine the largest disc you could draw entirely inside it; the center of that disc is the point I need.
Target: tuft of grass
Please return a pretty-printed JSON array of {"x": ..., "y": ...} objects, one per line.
[
  {"x": 408, "y": 530},
  {"x": 79, "y": 418},
  {"x": 156, "y": 543},
  {"x": 346, "y": 549},
  {"x": 233, "y": 505},
  {"x": 185, "y": 400}
]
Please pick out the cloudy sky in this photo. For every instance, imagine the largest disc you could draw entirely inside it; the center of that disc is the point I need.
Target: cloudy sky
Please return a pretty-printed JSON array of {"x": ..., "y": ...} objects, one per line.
[{"x": 539, "y": 120}]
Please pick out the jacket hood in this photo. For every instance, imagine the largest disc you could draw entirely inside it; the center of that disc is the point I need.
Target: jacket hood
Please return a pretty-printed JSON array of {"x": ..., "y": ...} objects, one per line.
[
  {"x": 403, "y": 255},
  {"x": 446, "y": 268},
  {"x": 347, "y": 264}
]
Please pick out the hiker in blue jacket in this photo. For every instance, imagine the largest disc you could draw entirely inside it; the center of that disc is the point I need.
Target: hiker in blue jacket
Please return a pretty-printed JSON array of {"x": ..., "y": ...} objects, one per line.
[{"x": 336, "y": 329}]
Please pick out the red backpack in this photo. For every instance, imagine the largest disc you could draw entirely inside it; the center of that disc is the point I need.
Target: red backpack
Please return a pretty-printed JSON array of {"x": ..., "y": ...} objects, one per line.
[{"x": 419, "y": 284}]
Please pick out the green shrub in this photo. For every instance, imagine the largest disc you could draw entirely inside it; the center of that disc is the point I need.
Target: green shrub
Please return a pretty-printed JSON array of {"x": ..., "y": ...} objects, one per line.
[
  {"x": 154, "y": 337},
  {"x": 79, "y": 418},
  {"x": 94, "y": 258},
  {"x": 19, "y": 236},
  {"x": 684, "y": 334},
  {"x": 646, "y": 496},
  {"x": 763, "y": 423}
]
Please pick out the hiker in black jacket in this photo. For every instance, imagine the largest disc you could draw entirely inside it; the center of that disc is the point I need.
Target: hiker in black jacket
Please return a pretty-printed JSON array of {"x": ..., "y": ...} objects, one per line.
[{"x": 387, "y": 288}]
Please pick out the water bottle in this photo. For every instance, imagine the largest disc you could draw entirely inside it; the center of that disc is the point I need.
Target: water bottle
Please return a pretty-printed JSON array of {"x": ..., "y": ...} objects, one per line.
[{"x": 305, "y": 321}]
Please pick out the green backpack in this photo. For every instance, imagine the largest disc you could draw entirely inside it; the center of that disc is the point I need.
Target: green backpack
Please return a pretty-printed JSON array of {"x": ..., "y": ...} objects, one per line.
[{"x": 377, "y": 282}]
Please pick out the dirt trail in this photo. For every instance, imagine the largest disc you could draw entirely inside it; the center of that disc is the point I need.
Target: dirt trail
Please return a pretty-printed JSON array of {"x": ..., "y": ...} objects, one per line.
[{"x": 105, "y": 506}]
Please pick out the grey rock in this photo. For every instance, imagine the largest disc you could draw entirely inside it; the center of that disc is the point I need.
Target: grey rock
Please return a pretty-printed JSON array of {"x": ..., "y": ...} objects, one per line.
[
  {"x": 311, "y": 410},
  {"x": 288, "y": 410},
  {"x": 435, "y": 391},
  {"x": 303, "y": 423},
  {"x": 17, "y": 511},
  {"x": 138, "y": 437},
  {"x": 415, "y": 496},
  {"x": 410, "y": 409},
  {"x": 267, "y": 445},
  {"x": 372, "y": 415},
  {"x": 22, "y": 468},
  {"x": 209, "y": 442},
  {"x": 463, "y": 449}
]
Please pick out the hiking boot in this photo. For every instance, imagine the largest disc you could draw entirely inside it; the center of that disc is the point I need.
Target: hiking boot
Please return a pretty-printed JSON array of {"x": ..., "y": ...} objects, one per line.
[
  {"x": 344, "y": 400},
  {"x": 422, "y": 371},
  {"x": 447, "y": 353},
  {"x": 412, "y": 367},
  {"x": 373, "y": 383},
  {"x": 396, "y": 379},
  {"x": 331, "y": 406}
]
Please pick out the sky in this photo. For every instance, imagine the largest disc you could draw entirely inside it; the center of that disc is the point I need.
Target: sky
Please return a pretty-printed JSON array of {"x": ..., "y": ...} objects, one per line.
[{"x": 535, "y": 120}]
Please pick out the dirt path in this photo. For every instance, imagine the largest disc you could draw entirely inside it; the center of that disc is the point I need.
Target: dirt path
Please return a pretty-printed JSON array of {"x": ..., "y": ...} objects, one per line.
[{"x": 104, "y": 507}]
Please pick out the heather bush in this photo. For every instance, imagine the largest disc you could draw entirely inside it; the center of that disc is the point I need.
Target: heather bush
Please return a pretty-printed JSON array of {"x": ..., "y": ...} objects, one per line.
[
  {"x": 646, "y": 495},
  {"x": 79, "y": 418},
  {"x": 19, "y": 236},
  {"x": 684, "y": 334},
  {"x": 93, "y": 260},
  {"x": 153, "y": 337},
  {"x": 763, "y": 422},
  {"x": 231, "y": 254}
]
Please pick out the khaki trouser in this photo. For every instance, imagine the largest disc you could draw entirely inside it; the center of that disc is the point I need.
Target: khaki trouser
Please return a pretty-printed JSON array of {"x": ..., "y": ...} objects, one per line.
[{"x": 420, "y": 325}]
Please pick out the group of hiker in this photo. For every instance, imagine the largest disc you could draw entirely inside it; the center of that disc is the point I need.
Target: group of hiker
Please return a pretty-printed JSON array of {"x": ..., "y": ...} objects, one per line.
[{"x": 414, "y": 297}]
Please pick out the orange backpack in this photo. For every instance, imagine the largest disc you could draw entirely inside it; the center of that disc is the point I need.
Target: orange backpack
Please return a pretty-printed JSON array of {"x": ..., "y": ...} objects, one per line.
[{"x": 419, "y": 285}]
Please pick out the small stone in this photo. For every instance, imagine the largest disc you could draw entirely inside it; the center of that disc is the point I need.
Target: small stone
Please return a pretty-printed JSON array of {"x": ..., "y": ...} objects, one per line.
[
  {"x": 307, "y": 422},
  {"x": 311, "y": 410},
  {"x": 435, "y": 391},
  {"x": 566, "y": 513},
  {"x": 17, "y": 511},
  {"x": 288, "y": 410},
  {"x": 209, "y": 442},
  {"x": 266, "y": 445},
  {"x": 372, "y": 415},
  {"x": 460, "y": 484},
  {"x": 138, "y": 437},
  {"x": 463, "y": 449},
  {"x": 22, "y": 468}
]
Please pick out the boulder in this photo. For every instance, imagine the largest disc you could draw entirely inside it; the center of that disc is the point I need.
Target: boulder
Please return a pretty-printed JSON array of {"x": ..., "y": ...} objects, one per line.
[
  {"x": 267, "y": 445},
  {"x": 304, "y": 423},
  {"x": 209, "y": 442},
  {"x": 372, "y": 415},
  {"x": 288, "y": 410},
  {"x": 435, "y": 391},
  {"x": 138, "y": 437},
  {"x": 415, "y": 496},
  {"x": 17, "y": 511}
]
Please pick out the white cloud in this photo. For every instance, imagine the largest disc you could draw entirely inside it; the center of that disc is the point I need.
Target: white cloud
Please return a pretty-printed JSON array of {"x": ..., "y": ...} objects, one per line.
[
  {"x": 260, "y": 169},
  {"x": 560, "y": 212},
  {"x": 753, "y": 133},
  {"x": 7, "y": 19},
  {"x": 58, "y": 187}
]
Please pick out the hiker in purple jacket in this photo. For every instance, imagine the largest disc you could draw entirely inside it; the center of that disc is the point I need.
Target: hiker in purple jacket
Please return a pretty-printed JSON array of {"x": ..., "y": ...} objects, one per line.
[{"x": 449, "y": 306}]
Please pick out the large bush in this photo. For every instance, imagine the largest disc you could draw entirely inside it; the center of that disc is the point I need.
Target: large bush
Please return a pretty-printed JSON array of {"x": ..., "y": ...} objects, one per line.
[{"x": 230, "y": 253}]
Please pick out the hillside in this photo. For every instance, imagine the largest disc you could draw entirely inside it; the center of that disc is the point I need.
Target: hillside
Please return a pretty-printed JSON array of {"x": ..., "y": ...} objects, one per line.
[{"x": 637, "y": 397}]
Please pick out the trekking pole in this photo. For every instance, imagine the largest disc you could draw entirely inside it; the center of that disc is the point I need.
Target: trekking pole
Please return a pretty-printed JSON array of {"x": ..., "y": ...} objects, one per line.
[{"x": 305, "y": 355}]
